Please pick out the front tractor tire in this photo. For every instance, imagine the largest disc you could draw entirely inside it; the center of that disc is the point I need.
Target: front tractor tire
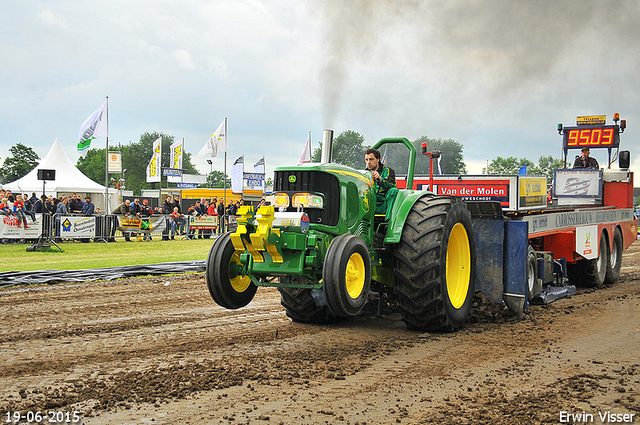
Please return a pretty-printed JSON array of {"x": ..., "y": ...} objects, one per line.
[
  {"x": 436, "y": 265},
  {"x": 346, "y": 275},
  {"x": 227, "y": 288}
]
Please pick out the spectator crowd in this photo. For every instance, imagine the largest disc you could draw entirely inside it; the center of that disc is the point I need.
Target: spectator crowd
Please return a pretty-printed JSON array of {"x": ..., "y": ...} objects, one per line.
[{"x": 25, "y": 208}]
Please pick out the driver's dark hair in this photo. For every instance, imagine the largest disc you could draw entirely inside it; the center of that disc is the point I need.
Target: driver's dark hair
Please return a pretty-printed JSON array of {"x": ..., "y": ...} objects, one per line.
[{"x": 375, "y": 152}]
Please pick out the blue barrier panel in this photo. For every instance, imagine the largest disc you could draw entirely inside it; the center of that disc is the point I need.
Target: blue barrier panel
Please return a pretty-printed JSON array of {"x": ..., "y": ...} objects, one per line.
[
  {"x": 489, "y": 233},
  {"x": 516, "y": 242}
]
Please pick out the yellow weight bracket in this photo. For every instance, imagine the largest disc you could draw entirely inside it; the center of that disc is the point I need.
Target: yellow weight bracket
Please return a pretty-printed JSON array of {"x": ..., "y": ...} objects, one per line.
[
  {"x": 260, "y": 238},
  {"x": 245, "y": 226}
]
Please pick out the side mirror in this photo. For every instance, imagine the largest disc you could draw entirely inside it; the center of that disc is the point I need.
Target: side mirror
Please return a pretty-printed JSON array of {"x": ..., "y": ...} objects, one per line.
[{"x": 624, "y": 159}]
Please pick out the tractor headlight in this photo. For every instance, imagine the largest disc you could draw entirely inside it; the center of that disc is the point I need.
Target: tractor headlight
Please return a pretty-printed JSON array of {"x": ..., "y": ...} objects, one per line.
[
  {"x": 280, "y": 200},
  {"x": 308, "y": 200}
]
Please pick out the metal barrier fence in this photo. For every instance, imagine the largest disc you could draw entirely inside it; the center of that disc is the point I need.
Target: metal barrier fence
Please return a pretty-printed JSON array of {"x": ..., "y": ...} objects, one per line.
[{"x": 109, "y": 228}]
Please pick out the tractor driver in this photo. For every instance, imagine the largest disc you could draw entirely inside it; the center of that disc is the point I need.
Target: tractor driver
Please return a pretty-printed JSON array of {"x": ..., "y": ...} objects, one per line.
[{"x": 384, "y": 182}]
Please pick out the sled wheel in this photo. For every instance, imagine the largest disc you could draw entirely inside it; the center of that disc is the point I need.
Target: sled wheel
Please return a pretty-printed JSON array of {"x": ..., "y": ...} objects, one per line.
[
  {"x": 591, "y": 273},
  {"x": 346, "y": 275},
  {"x": 615, "y": 259},
  {"x": 305, "y": 305},
  {"x": 435, "y": 267},
  {"x": 227, "y": 288},
  {"x": 532, "y": 274}
]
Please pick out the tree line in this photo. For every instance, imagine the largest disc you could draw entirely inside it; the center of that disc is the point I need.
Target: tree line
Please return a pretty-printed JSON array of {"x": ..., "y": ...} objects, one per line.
[{"x": 348, "y": 149}]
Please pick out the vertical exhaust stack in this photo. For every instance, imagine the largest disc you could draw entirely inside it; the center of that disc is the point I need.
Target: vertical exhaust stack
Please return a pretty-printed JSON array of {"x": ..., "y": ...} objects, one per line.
[{"x": 327, "y": 146}]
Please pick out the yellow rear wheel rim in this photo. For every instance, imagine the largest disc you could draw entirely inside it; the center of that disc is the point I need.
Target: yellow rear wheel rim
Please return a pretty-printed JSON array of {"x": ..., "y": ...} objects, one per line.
[
  {"x": 239, "y": 283},
  {"x": 355, "y": 275},
  {"x": 458, "y": 266}
]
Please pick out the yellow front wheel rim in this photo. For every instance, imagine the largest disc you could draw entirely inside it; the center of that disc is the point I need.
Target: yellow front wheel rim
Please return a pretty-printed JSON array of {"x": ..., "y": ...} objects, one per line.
[
  {"x": 355, "y": 275},
  {"x": 238, "y": 282},
  {"x": 458, "y": 266}
]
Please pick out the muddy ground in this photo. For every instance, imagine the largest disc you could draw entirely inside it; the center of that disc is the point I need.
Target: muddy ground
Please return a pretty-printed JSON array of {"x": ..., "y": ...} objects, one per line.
[{"x": 158, "y": 350}]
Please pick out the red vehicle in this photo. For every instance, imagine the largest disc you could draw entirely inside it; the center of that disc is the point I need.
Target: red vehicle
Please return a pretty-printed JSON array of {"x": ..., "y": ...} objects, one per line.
[{"x": 577, "y": 229}]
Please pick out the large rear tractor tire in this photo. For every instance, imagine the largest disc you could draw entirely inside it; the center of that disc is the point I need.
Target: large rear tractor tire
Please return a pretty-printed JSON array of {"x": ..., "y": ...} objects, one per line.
[
  {"x": 305, "y": 305},
  {"x": 436, "y": 265},
  {"x": 591, "y": 273},
  {"x": 346, "y": 275},
  {"x": 227, "y": 288},
  {"x": 615, "y": 259}
]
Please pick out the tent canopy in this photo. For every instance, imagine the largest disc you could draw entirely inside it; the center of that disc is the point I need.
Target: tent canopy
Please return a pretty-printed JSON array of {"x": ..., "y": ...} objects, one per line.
[{"x": 68, "y": 179}]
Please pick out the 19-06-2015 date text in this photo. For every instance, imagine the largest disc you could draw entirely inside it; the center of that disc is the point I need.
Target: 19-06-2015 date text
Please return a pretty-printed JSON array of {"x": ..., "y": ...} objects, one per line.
[{"x": 45, "y": 417}]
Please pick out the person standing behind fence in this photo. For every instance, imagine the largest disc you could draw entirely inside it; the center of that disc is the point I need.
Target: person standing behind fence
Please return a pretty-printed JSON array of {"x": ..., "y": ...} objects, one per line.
[
  {"x": 213, "y": 210},
  {"x": 181, "y": 221},
  {"x": 74, "y": 205},
  {"x": 204, "y": 207},
  {"x": 221, "y": 216},
  {"x": 145, "y": 212},
  {"x": 38, "y": 206},
  {"x": 167, "y": 209},
  {"x": 61, "y": 209},
  {"x": 123, "y": 209}
]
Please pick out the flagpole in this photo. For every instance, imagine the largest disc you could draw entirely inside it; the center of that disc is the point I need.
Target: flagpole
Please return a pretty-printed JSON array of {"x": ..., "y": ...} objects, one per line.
[
  {"x": 106, "y": 166},
  {"x": 224, "y": 178}
]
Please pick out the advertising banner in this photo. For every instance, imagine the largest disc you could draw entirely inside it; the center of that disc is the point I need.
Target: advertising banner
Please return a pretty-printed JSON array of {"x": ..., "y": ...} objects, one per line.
[
  {"x": 76, "y": 226},
  {"x": 9, "y": 227},
  {"x": 578, "y": 183},
  {"x": 533, "y": 192},
  {"x": 203, "y": 222}
]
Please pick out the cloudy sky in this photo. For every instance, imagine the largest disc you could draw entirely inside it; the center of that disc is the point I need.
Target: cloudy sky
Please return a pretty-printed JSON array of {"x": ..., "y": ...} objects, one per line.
[{"x": 497, "y": 76}]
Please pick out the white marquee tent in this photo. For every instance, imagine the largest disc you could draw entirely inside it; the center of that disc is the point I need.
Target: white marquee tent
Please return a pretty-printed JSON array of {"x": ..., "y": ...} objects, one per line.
[{"x": 68, "y": 180}]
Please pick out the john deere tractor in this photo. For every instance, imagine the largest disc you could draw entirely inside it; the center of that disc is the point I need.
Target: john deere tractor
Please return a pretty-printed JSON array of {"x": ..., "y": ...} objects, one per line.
[{"x": 322, "y": 245}]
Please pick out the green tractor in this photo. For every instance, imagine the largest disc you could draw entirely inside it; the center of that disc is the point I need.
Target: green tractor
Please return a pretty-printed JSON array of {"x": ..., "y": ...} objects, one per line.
[{"x": 322, "y": 245}]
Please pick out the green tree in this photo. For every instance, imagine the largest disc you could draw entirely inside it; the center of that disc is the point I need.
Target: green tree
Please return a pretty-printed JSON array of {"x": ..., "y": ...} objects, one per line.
[
  {"x": 348, "y": 149},
  {"x": 511, "y": 165},
  {"x": 217, "y": 178},
  {"x": 545, "y": 167},
  {"x": 92, "y": 165},
  {"x": 507, "y": 166},
  {"x": 23, "y": 160}
]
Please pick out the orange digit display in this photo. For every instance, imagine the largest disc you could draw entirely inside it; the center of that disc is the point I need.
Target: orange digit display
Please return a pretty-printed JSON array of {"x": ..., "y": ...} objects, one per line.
[{"x": 591, "y": 136}]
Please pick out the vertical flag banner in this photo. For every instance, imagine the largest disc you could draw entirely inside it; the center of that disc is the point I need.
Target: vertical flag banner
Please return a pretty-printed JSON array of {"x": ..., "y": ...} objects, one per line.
[
  {"x": 237, "y": 175},
  {"x": 94, "y": 126},
  {"x": 216, "y": 143},
  {"x": 439, "y": 167},
  {"x": 154, "y": 170},
  {"x": 259, "y": 168},
  {"x": 175, "y": 154},
  {"x": 306, "y": 151}
]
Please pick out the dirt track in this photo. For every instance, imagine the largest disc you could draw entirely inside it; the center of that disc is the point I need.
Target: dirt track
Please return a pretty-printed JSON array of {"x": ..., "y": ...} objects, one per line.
[{"x": 158, "y": 350}]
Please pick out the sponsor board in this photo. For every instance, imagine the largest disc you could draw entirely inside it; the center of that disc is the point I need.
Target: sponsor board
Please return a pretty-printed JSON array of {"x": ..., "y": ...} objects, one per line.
[
  {"x": 578, "y": 183},
  {"x": 76, "y": 226},
  {"x": 9, "y": 227},
  {"x": 203, "y": 222}
]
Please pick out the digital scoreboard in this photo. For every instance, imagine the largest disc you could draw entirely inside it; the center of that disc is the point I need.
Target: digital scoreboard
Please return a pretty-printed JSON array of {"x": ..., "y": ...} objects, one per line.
[{"x": 591, "y": 136}]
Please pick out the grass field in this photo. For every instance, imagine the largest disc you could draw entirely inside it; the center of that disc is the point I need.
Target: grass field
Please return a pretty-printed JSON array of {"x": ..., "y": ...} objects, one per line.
[{"x": 76, "y": 255}]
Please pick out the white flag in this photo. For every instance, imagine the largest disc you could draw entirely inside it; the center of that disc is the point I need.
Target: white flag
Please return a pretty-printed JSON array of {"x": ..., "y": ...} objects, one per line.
[
  {"x": 306, "y": 151},
  {"x": 216, "y": 143},
  {"x": 258, "y": 167},
  {"x": 237, "y": 175},
  {"x": 154, "y": 173},
  {"x": 94, "y": 126},
  {"x": 175, "y": 153}
]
